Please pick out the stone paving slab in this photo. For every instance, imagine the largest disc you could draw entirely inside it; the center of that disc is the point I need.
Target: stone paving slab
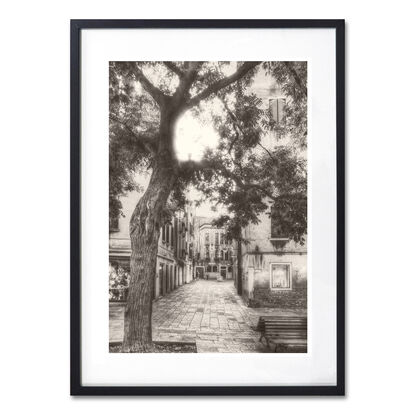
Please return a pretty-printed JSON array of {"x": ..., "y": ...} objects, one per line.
[{"x": 209, "y": 313}]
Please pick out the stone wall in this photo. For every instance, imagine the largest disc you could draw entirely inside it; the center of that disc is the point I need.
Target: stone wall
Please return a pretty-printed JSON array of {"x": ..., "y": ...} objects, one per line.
[
  {"x": 257, "y": 290},
  {"x": 258, "y": 254},
  {"x": 294, "y": 299}
]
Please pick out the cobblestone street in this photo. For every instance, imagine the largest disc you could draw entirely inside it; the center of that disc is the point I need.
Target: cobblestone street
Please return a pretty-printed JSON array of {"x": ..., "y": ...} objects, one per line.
[{"x": 209, "y": 313}]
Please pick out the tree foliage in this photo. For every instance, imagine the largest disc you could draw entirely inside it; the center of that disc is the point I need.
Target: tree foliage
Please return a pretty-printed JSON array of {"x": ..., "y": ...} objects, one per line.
[
  {"x": 133, "y": 117},
  {"x": 242, "y": 173}
]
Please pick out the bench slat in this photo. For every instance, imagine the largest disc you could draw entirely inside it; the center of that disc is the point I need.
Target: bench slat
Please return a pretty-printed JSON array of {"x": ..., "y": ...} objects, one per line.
[
  {"x": 270, "y": 335},
  {"x": 282, "y": 318},
  {"x": 303, "y": 328},
  {"x": 299, "y": 324},
  {"x": 276, "y": 324},
  {"x": 285, "y": 322},
  {"x": 290, "y": 341},
  {"x": 286, "y": 331}
]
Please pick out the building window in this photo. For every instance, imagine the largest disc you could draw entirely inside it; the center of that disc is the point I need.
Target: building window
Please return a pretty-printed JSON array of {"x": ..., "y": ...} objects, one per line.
[
  {"x": 222, "y": 239},
  {"x": 277, "y": 107},
  {"x": 216, "y": 238},
  {"x": 217, "y": 252},
  {"x": 280, "y": 276},
  {"x": 207, "y": 237},
  {"x": 214, "y": 268},
  {"x": 276, "y": 229}
]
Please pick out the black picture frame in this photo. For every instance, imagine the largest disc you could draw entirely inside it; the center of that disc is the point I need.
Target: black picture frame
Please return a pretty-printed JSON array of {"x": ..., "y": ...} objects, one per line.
[{"x": 76, "y": 27}]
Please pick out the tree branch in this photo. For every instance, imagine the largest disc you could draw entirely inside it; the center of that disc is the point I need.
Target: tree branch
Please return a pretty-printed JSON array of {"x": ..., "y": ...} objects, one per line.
[
  {"x": 174, "y": 68},
  {"x": 237, "y": 126},
  {"x": 155, "y": 93},
  {"x": 296, "y": 77},
  {"x": 269, "y": 153},
  {"x": 147, "y": 142},
  {"x": 222, "y": 83},
  {"x": 234, "y": 124},
  {"x": 186, "y": 80},
  {"x": 205, "y": 165},
  {"x": 249, "y": 185}
]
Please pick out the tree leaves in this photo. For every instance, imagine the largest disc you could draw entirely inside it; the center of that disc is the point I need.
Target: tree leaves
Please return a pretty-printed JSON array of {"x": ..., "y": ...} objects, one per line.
[{"x": 242, "y": 173}]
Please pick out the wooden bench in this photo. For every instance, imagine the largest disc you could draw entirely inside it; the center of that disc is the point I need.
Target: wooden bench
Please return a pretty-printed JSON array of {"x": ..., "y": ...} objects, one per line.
[{"x": 290, "y": 331}]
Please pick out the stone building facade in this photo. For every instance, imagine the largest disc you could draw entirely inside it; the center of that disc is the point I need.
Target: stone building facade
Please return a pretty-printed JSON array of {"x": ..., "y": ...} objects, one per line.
[
  {"x": 213, "y": 252},
  {"x": 273, "y": 268},
  {"x": 175, "y": 249}
]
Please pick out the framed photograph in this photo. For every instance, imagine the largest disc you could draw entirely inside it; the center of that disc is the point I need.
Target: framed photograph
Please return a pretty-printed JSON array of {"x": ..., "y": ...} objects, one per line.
[{"x": 207, "y": 183}]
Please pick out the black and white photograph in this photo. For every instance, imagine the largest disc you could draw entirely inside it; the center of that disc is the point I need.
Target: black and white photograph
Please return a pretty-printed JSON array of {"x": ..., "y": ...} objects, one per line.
[{"x": 208, "y": 207}]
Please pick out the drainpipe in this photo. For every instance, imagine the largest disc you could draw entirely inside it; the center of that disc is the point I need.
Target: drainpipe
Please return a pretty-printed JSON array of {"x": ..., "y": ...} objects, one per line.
[{"x": 239, "y": 275}]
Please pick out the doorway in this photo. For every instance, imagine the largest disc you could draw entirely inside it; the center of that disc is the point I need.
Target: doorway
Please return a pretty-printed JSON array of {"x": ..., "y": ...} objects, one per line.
[{"x": 223, "y": 272}]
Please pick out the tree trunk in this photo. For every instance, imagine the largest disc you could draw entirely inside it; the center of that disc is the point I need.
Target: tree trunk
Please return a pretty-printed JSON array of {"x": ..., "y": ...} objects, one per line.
[
  {"x": 144, "y": 233},
  {"x": 145, "y": 224}
]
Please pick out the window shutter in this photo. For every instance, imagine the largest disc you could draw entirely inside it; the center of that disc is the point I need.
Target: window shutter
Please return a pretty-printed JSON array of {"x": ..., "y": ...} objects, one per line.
[
  {"x": 277, "y": 107},
  {"x": 276, "y": 231},
  {"x": 280, "y": 109}
]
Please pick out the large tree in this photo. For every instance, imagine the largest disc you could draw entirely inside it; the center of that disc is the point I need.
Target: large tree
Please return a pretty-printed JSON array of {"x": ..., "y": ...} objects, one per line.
[{"x": 146, "y": 101}]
